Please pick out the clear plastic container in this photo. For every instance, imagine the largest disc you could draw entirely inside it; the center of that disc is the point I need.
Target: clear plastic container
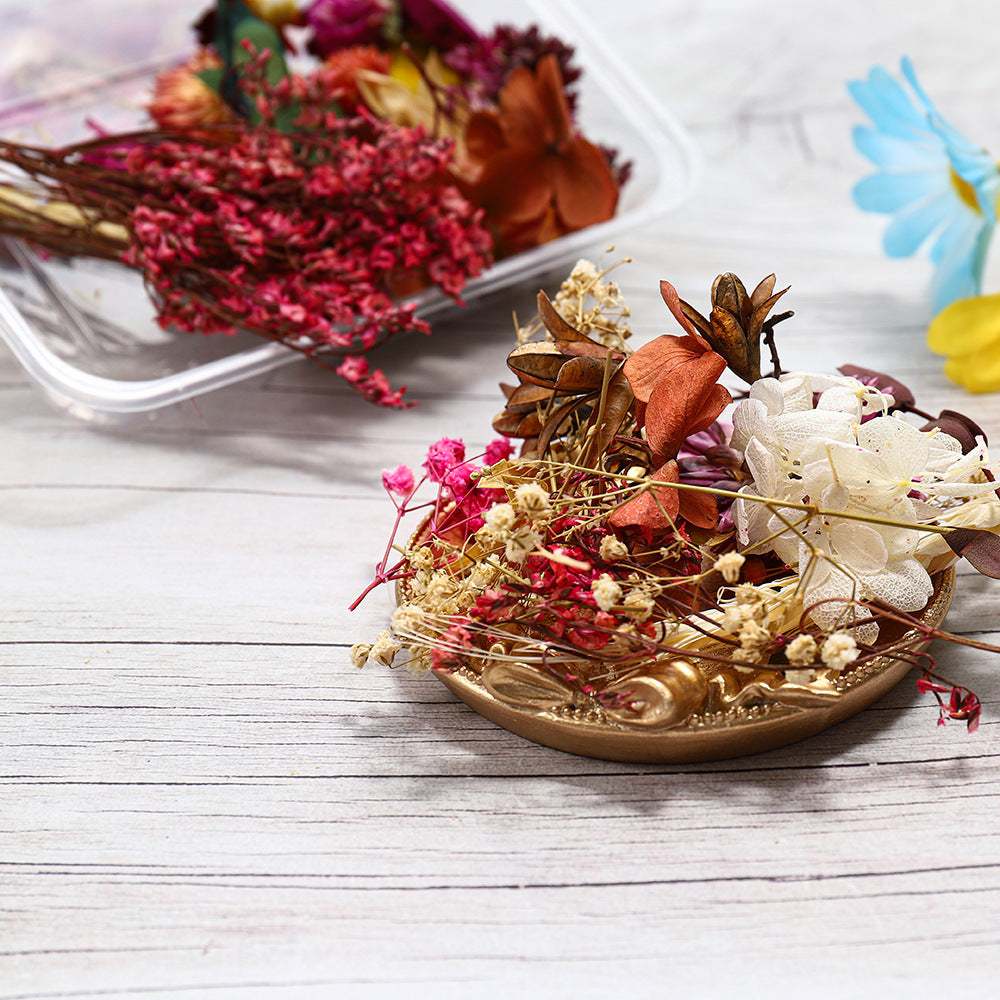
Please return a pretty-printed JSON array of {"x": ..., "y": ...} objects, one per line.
[{"x": 85, "y": 329}]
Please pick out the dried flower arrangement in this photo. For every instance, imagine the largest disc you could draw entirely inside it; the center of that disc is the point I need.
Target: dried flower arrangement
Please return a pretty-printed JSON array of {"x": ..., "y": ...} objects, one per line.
[
  {"x": 645, "y": 581},
  {"x": 304, "y": 205}
]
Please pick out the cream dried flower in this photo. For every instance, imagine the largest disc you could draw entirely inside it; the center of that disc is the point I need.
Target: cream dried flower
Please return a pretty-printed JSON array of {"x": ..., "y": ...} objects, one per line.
[
  {"x": 521, "y": 544},
  {"x": 533, "y": 500},
  {"x": 423, "y": 558},
  {"x": 360, "y": 652},
  {"x": 805, "y": 676},
  {"x": 385, "y": 648},
  {"x": 747, "y": 593},
  {"x": 420, "y": 660},
  {"x": 607, "y": 592},
  {"x": 729, "y": 565},
  {"x": 737, "y": 615},
  {"x": 612, "y": 549},
  {"x": 482, "y": 577},
  {"x": 638, "y": 606},
  {"x": 801, "y": 651},
  {"x": 440, "y": 589},
  {"x": 407, "y": 618},
  {"x": 839, "y": 650},
  {"x": 744, "y": 658},
  {"x": 753, "y": 635},
  {"x": 500, "y": 518}
]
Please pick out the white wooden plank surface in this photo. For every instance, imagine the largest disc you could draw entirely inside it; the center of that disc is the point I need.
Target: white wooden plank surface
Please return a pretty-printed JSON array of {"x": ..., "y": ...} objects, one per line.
[{"x": 200, "y": 797}]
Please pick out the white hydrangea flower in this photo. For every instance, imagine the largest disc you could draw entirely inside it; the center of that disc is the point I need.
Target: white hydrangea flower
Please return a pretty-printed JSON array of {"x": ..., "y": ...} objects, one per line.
[{"x": 830, "y": 440}]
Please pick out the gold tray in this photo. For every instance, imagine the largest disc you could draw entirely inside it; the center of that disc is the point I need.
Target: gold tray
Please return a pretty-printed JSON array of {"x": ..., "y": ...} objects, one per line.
[{"x": 764, "y": 720}]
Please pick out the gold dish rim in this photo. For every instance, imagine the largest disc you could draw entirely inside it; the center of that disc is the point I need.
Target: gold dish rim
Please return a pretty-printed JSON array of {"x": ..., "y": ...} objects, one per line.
[{"x": 736, "y": 732}]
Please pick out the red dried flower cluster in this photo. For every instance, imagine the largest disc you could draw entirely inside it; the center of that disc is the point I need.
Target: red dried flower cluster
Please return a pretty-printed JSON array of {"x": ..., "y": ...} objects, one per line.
[{"x": 302, "y": 238}]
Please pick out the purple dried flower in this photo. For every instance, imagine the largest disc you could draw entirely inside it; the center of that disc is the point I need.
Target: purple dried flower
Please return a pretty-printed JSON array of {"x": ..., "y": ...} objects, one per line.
[
  {"x": 489, "y": 61},
  {"x": 340, "y": 24},
  {"x": 438, "y": 24}
]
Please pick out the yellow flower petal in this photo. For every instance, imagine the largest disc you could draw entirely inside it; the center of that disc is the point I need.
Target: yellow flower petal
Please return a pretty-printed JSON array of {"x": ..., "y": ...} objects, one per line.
[
  {"x": 978, "y": 371},
  {"x": 278, "y": 12},
  {"x": 966, "y": 326}
]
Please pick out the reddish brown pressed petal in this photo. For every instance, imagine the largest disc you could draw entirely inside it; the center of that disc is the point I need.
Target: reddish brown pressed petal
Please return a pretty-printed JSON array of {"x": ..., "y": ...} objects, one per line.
[
  {"x": 514, "y": 186},
  {"x": 673, "y": 301},
  {"x": 538, "y": 363},
  {"x": 518, "y": 425},
  {"x": 552, "y": 97},
  {"x": 522, "y": 113},
  {"x": 483, "y": 136},
  {"x": 526, "y": 397},
  {"x": 884, "y": 383},
  {"x": 585, "y": 188},
  {"x": 663, "y": 357},
  {"x": 699, "y": 509},
  {"x": 586, "y": 348},
  {"x": 618, "y": 399},
  {"x": 651, "y": 514},
  {"x": 980, "y": 547},
  {"x": 555, "y": 324},
  {"x": 580, "y": 375},
  {"x": 678, "y": 409}
]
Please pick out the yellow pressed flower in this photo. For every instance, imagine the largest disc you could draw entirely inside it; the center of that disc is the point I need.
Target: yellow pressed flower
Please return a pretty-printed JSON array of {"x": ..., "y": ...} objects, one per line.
[
  {"x": 968, "y": 333},
  {"x": 277, "y": 12},
  {"x": 404, "y": 98}
]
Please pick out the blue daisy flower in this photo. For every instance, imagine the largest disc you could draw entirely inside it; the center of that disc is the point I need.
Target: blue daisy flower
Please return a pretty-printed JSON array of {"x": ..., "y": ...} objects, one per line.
[{"x": 940, "y": 187}]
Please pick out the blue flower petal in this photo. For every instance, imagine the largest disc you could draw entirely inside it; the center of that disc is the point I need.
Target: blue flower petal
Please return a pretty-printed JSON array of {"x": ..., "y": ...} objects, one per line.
[
  {"x": 956, "y": 241},
  {"x": 920, "y": 155},
  {"x": 960, "y": 257},
  {"x": 891, "y": 192},
  {"x": 911, "y": 228},
  {"x": 954, "y": 276},
  {"x": 900, "y": 154},
  {"x": 888, "y": 105}
]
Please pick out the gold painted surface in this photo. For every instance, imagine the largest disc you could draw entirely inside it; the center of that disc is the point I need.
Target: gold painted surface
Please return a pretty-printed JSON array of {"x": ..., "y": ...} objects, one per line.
[{"x": 685, "y": 713}]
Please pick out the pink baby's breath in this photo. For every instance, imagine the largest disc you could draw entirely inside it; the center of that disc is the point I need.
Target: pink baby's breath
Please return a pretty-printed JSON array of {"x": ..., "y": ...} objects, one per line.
[
  {"x": 442, "y": 457},
  {"x": 399, "y": 482}
]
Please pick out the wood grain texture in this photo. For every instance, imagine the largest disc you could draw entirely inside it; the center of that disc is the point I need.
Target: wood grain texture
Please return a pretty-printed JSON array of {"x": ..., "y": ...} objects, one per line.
[{"x": 200, "y": 797}]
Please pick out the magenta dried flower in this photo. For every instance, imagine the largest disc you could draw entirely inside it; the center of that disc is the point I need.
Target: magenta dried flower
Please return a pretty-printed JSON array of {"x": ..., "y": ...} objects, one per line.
[
  {"x": 442, "y": 457},
  {"x": 437, "y": 23},
  {"x": 340, "y": 24}
]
